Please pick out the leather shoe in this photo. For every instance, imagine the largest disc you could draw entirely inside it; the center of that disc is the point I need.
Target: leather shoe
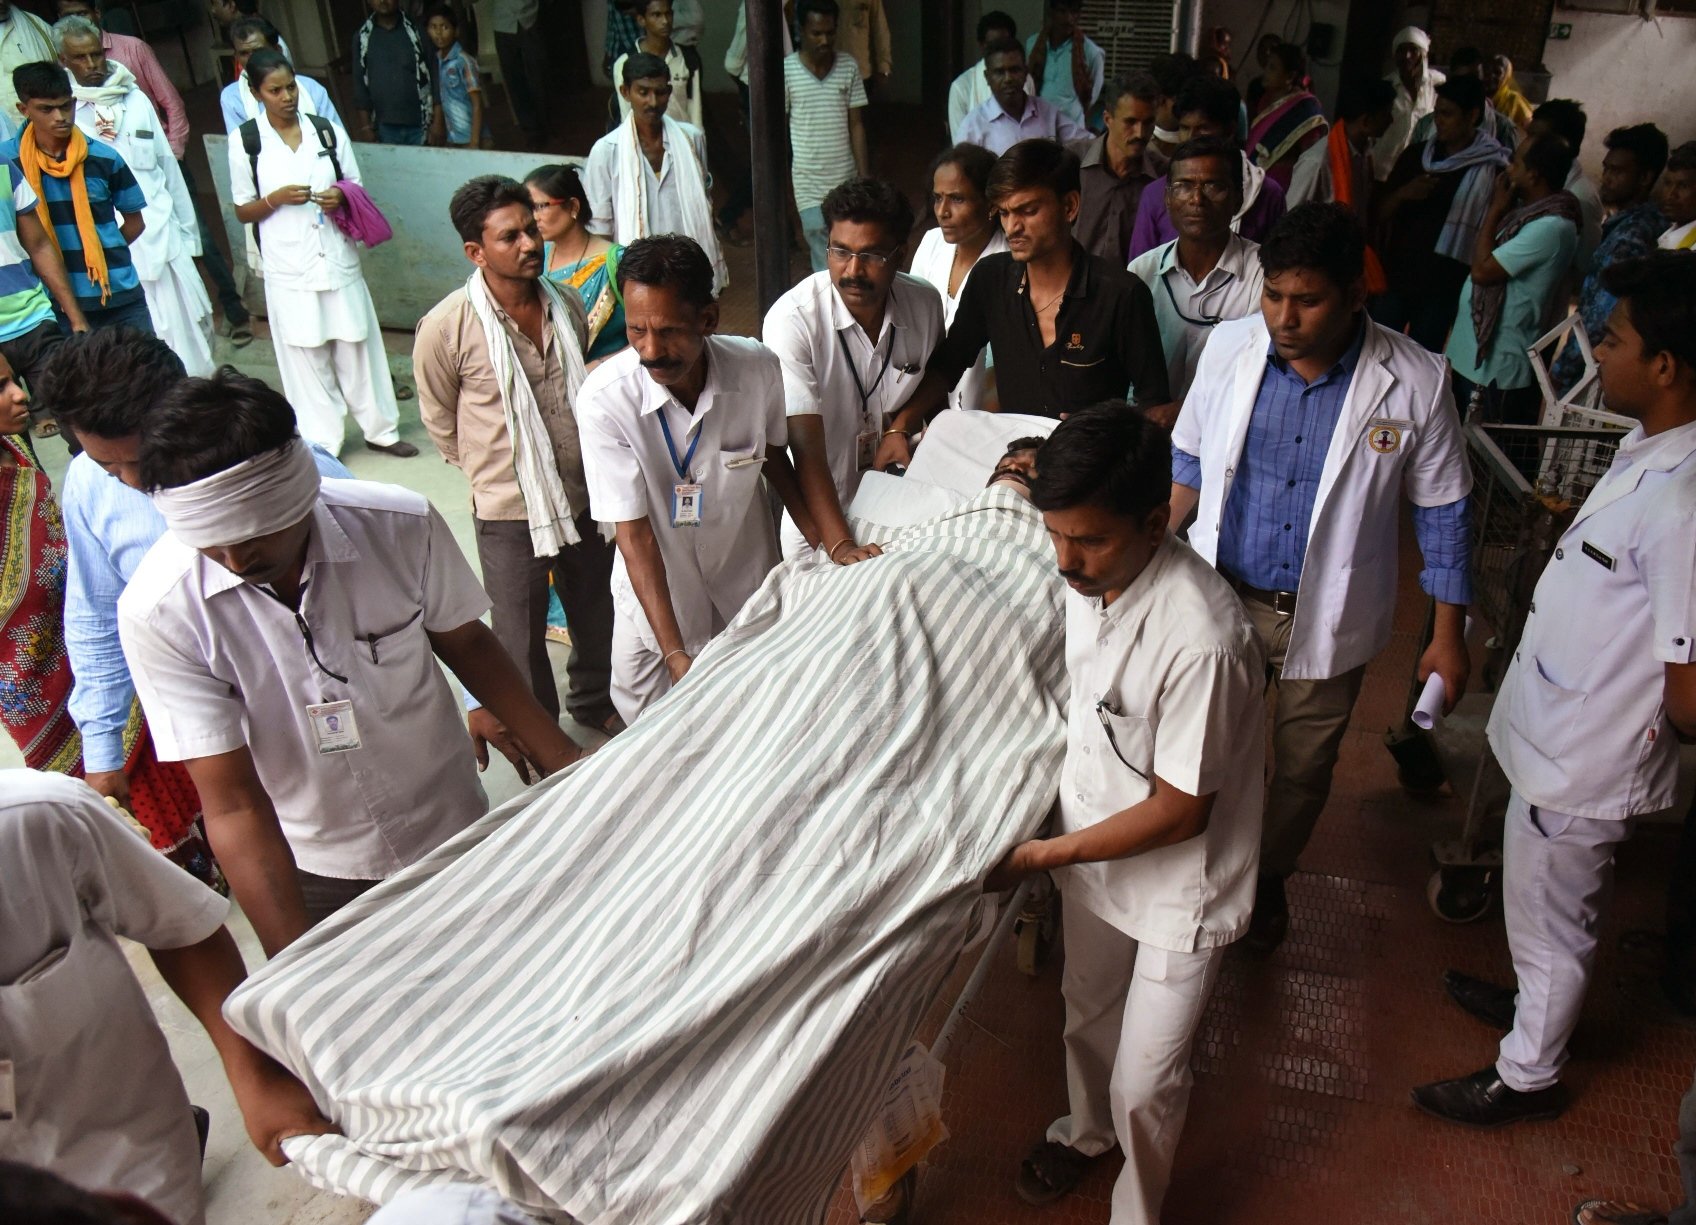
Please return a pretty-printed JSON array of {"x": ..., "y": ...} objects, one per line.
[
  {"x": 400, "y": 449},
  {"x": 1490, "y": 1003},
  {"x": 1270, "y": 922},
  {"x": 1485, "y": 1100}
]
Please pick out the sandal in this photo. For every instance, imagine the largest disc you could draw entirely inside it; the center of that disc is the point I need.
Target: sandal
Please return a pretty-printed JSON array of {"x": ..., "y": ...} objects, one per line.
[
  {"x": 1051, "y": 1172},
  {"x": 47, "y": 427},
  {"x": 1612, "y": 1212}
]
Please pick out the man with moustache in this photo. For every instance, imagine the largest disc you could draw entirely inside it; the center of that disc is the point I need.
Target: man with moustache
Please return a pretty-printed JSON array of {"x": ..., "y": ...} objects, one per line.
[
  {"x": 1068, "y": 328},
  {"x": 677, "y": 431},
  {"x": 853, "y": 341},
  {"x": 499, "y": 363},
  {"x": 1118, "y": 165},
  {"x": 1159, "y": 811}
]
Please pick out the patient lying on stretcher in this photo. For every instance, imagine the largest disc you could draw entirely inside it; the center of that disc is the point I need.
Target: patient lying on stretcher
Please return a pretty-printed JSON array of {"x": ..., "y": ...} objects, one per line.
[{"x": 669, "y": 984}]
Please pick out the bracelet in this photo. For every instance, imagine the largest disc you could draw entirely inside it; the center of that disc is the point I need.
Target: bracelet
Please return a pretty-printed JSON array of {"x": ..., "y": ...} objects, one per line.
[
  {"x": 831, "y": 552},
  {"x": 903, "y": 433},
  {"x": 669, "y": 654}
]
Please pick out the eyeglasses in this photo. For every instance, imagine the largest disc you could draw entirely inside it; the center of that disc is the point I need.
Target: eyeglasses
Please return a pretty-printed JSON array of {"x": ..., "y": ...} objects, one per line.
[
  {"x": 542, "y": 206},
  {"x": 873, "y": 259},
  {"x": 1216, "y": 190}
]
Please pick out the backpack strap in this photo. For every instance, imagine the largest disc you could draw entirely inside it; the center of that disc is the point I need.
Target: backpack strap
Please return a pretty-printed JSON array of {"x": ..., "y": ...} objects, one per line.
[
  {"x": 250, "y": 144},
  {"x": 327, "y": 139}
]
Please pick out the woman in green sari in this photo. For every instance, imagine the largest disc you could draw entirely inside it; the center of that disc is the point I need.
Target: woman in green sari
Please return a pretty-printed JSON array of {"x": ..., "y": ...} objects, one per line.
[{"x": 574, "y": 257}]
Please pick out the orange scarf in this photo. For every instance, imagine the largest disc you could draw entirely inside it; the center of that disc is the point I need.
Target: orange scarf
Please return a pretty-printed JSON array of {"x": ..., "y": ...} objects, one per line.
[
  {"x": 34, "y": 163},
  {"x": 1342, "y": 191}
]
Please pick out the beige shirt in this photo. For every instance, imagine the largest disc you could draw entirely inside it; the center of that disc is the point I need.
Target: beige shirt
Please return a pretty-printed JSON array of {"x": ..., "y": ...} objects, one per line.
[
  {"x": 863, "y": 33},
  {"x": 460, "y": 402}
]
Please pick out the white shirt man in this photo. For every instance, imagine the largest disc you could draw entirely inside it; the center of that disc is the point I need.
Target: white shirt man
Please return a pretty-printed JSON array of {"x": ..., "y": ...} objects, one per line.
[
  {"x": 24, "y": 39},
  {"x": 118, "y": 113},
  {"x": 1187, "y": 312},
  {"x": 992, "y": 127},
  {"x": 641, "y": 450},
  {"x": 833, "y": 369}
]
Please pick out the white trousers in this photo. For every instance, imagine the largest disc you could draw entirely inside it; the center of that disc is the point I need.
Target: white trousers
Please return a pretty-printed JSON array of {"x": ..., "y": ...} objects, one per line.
[
  {"x": 1557, "y": 872},
  {"x": 325, "y": 382},
  {"x": 639, "y": 675},
  {"x": 1132, "y": 1012},
  {"x": 182, "y": 313}
]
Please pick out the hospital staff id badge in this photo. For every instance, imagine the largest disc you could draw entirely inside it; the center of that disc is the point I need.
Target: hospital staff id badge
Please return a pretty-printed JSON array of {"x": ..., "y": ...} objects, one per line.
[
  {"x": 865, "y": 447},
  {"x": 334, "y": 727},
  {"x": 686, "y": 504}
]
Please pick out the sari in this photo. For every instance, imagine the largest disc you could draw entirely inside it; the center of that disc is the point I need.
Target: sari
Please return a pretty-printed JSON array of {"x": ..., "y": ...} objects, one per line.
[
  {"x": 35, "y": 672},
  {"x": 1509, "y": 101},
  {"x": 596, "y": 281},
  {"x": 1282, "y": 131}
]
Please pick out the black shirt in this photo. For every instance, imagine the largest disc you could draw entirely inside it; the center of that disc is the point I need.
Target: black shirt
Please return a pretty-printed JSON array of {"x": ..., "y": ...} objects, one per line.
[
  {"x": 1411, "y": 261},
  {"x": 1106, "y": 340}
]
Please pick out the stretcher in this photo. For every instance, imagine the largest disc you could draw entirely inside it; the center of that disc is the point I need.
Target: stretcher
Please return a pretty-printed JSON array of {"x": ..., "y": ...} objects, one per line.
[{"x": 671, "y": 984}]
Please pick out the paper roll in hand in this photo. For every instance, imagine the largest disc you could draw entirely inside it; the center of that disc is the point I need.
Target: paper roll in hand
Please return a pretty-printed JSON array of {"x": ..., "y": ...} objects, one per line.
[{"x": 1430, "y": 707}]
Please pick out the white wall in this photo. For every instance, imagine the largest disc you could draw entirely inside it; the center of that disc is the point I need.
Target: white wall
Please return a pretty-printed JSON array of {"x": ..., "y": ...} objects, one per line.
[{"x": 1625, "y": 70}]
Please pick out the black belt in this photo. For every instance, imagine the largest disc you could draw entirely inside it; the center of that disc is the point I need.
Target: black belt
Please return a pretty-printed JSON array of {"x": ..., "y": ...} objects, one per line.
[{"x": 1281, "y": 602}]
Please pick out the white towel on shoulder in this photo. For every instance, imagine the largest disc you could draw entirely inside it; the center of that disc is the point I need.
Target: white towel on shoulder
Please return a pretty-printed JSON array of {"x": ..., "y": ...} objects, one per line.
[{"x": 630, "y": 200}]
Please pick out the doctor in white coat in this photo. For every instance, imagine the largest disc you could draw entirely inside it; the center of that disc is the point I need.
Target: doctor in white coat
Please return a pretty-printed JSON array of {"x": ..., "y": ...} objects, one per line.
[
  {"x": 1306, "y": 426},
  {"x": 1602, "y": 685},
  {"x": 111, "y": 108}
]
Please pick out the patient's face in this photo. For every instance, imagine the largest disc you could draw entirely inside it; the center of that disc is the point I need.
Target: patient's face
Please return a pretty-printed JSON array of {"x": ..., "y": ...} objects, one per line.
[
  {"x": 1099, "y": 552},
  {"x": 1016, "y": 470}
]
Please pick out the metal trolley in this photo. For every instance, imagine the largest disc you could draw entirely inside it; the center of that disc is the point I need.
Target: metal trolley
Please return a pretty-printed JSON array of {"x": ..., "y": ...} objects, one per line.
[{"x": 1528, "y": 482}]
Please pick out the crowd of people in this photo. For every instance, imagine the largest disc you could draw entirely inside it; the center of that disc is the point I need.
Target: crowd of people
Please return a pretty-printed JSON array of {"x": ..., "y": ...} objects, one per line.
[{"x": 1258, "y": 325}]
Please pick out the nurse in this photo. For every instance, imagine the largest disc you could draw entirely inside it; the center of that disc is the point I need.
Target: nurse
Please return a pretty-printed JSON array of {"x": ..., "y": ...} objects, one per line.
[
  {"x": 1160, "y": 798},
  {"x": 1306, "y": 426},
  {"x": 1601, "y": 688},
  {"x": 87, "y": 1086},
  {"x": 329, "y": 344}
]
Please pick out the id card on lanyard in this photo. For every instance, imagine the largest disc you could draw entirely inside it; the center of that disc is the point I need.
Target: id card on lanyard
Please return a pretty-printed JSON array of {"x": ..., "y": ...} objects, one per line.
[
  {"x": 870, "y": 429},
  {"x": 686, "y": 495}
]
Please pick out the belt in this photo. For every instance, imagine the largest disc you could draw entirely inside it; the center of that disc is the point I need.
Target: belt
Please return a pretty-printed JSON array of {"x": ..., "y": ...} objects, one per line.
[{"x": 1281, "y": 602}]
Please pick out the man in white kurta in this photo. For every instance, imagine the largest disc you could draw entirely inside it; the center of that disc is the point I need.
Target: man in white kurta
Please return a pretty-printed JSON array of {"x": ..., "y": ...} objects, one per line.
[
  {"x": 87, "y": 1086},
  {"x": 1158, "y": 835},
  {"x": 1601, "y": 688},
  {"x": 112, "y": 108},
  {"x": 853, "y": 340},
  {"x": 675, "y": 431}
]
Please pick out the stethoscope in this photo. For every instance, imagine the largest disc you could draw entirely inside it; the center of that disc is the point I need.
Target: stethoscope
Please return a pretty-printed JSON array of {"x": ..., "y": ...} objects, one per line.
[{"x": 1206, "y": 321}]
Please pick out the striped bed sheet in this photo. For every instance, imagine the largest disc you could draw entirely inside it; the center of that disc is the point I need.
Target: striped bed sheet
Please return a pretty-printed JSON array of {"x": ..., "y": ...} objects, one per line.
[{"x": 669, "y": 984}]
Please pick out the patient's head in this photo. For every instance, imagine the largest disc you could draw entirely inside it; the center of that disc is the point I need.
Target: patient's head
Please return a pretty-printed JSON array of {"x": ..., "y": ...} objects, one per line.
[
  {"x": 1017, "y": 466},
  {"x": 1103, "y": 485}
]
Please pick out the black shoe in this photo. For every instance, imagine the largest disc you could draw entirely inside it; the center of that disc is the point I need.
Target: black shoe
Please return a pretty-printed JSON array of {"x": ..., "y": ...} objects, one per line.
[
  {"x": 1271, "y": 920},
  {"x": 202, "y": 1127},
  {"x": 400, "y": 449},
  {"x": 1483, "y": 1100},
  {"x": 1490, "y": 1003}
]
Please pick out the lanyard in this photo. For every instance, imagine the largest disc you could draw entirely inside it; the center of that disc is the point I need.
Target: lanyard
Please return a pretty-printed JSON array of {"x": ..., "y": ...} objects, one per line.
[
  {"x": 847, "y": 356},
  {"x": 682, "y": 465}
]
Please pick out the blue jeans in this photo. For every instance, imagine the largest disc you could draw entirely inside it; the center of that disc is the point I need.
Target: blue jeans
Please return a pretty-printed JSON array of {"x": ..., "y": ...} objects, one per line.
[
  {"x": 817, "y": 234},
  {"x": 399, "y": 134},
  {"x": 131, "y": 314}
]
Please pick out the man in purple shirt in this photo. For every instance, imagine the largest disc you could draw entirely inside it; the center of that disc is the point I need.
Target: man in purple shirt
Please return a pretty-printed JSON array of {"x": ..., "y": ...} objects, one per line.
[
  {"x": 1010, "y": 114},
  {"x": 1207, "y": 106}
]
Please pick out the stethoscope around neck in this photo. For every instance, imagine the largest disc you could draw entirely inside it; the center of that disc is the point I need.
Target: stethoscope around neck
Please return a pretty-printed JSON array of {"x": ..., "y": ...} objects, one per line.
[{"x": 1206, "y": 321}]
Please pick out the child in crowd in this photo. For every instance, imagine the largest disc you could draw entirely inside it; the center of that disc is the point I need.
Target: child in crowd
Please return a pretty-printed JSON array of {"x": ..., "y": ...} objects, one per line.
[{"x": 456, "y": 76}]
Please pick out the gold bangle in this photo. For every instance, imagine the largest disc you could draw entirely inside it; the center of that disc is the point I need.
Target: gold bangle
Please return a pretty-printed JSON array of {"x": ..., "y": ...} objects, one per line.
[
  {"x": 903, "y": 433},
  {"x": 669, "y": 654},
  {"x": 831, "y": 552}
]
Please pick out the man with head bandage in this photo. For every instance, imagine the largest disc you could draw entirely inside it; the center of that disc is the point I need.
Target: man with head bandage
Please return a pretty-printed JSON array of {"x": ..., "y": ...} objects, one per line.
[{"x": 284, "y": 637}]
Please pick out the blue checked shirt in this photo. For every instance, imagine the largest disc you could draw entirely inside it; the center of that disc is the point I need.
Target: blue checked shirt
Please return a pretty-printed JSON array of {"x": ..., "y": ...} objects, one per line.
[
  {"x": 109, "y": 528},
  {"x": 1268, "y": 514}
]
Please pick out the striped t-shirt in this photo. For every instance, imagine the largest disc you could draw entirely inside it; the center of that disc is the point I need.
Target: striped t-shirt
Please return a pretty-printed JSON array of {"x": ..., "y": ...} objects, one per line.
[
  {"x": 23, "y": 302},
  {"x": 112, "y": 189},
  {"x": 821, "y": 157}
]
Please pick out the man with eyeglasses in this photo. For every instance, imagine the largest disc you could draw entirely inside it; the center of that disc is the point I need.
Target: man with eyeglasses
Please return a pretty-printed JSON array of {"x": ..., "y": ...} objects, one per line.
[
  {"x": 1068, "y": 328},
  {"x": 1208, "y": 273},
  {"x": 853, "y": 341},
  {"x": 284, "y": 636}
]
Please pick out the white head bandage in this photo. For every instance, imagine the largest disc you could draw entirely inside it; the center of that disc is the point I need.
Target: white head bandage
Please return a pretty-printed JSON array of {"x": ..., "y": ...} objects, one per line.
[
  {"x": 1414, "y": 35},
  {"x": 258, "y": 496}
]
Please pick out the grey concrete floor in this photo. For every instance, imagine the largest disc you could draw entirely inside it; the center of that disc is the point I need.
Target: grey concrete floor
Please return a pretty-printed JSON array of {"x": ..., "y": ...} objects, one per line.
[{"x": 241, "y": 1188}]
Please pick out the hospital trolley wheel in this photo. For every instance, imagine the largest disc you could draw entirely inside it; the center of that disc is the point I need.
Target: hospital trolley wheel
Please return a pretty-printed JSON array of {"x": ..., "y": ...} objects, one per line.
[{"x": 1461, "y": 894}]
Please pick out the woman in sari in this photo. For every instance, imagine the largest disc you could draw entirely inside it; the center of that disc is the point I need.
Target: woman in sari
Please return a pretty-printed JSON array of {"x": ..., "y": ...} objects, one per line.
[
  {"x": 35, "y": 674},
  {"x": 574, "y": 257},
  {"x": 1505, "y": 95},
  {"x": 1290, "y": 118}
]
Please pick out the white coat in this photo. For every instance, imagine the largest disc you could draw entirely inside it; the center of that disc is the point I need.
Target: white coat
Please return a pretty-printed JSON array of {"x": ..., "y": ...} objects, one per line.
[{"x": 1398, "y": 430}]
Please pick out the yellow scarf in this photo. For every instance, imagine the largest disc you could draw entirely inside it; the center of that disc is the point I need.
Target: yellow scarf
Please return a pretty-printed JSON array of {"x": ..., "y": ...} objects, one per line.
[{"x": 34, "y": 163}]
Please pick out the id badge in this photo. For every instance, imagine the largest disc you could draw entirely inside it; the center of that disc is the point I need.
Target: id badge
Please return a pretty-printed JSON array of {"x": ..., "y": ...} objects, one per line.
[
  {"x": 866, "y": 449},
  {"x": 334, "y": 727},
  {"x": 686, "y": 505}
]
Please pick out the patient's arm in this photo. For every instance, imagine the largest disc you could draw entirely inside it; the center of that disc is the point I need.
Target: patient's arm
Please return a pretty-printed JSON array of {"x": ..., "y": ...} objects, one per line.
[
  {"x": 1166, "y": 818},
  {"x": 642, "y": 560}
]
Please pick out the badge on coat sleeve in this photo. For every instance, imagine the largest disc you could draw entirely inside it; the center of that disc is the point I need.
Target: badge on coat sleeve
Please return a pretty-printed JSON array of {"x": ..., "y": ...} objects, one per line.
[{"x": 1384, "y": 437}]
